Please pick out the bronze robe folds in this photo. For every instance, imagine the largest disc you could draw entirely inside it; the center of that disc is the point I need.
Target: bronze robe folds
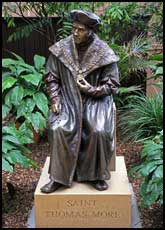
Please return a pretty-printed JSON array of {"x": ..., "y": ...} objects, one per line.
[{"x": 81, "y": 136}]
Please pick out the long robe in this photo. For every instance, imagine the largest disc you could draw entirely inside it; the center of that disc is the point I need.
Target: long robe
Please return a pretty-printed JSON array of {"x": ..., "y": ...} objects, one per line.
[{"x": 81, "y": 136}]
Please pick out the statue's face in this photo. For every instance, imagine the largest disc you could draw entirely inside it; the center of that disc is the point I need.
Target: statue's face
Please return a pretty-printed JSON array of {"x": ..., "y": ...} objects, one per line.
[{"x": 80, "y": 32}]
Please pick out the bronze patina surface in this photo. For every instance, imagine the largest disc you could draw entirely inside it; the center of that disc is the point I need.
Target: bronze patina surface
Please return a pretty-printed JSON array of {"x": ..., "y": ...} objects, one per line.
[{"x": 82, "y": 77}]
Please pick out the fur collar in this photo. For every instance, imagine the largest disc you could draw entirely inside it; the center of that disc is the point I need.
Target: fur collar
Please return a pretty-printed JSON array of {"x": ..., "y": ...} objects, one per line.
[{"x": 97, "y": 55}]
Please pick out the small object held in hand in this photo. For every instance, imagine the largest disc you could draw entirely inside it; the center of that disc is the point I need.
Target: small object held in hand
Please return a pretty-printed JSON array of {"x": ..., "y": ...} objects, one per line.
[{"x": 56, "y": 108}]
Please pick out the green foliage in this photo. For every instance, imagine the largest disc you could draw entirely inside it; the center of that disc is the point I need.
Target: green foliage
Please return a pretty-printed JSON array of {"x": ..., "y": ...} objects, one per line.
[
  {"x": 131, "y": 19},
  {"x": 130, "y": 44},
  {"x": 63, "y": 11},
  {"x": 25, "y": 31},
  {"x": 128, "y": 18},
  {"x": 156, "y": 21},
  {"x": 119, "y": 17},
  {"x": 45, "y": 11},
  {"x": 132, "y": 56},
  {"x": 157, "y": 68},
  {"x": 22, "y": 90},
  {"x": 13, "y": 149},
  {"x": 7, "y": 17},
  {"x": 133, "y": 62},
  {"x": 23, "y": 98},
  {"x": 151, "y": 170},
  {"x": 65, "y": 28},
  {"x": 142, "y": 117},
  {"x": 124, "y": 94}
]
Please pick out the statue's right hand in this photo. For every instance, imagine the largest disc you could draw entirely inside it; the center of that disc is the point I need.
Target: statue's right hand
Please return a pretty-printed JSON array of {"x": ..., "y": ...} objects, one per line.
[{"x": 56, "y": 108}]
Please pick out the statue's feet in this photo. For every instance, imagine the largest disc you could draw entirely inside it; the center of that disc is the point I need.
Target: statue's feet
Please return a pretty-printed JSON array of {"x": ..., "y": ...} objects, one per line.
[
  {"x": 50, "y": 187},
  {"x": 99, "y": 185}
]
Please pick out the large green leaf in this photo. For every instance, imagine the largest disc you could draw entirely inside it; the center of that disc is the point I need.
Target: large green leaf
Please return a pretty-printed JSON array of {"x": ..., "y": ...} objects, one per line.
[
  {"x": 12, "y": 139},
  {"x": 41, "y": 102},
  {"x": 28, "y": 92},
  {"x": 150, "y": 198},
  {"x": 159, "y": 71},
  {"x": 150, "y": 186},
  {"x": 21, "y": 69},
  {"x": 26, "y": 106},
  {"x": 14, "y": 96},
  {"x": 6, "y": 166},
  {"x": 17, "y": 95},
  {"x": 6, "y": 74},
  {"x": 150, "y": 148},
  {"x": 37, "y": 121},
  {"x": 134, "y": 169},
  {"x": 6, "y": 146},
  {"x": 39, "y": 61},
  {"x": 159, "y": 172},
  {"x": 26, "y": 134},
  {"x": 26, "y": 138},
  {"x": 28, "y": 67},
  {"x": 15, "y": 156},
  {"x": 5, "y": 110},
  {"x": 8, "y": 83},
  {"x": 148, "y": 168},
  {"x": 143, "y": 188},
  {"x": 26, "y": 129},
  {"x": 32, "y": 78},
  {"x": 7, "y": 62}
]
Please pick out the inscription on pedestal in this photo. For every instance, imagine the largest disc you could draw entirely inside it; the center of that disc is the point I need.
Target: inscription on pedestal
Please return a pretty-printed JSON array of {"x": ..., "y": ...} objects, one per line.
[
  {"x": 92, "y": 210},
  {"x": 82, "y": 214}
]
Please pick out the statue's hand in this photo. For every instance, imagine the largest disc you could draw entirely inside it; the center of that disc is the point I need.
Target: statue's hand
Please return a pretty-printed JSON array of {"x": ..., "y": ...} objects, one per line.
[
  {"x": 83, "y": 85},
  {"x": 56, "y": 108}
]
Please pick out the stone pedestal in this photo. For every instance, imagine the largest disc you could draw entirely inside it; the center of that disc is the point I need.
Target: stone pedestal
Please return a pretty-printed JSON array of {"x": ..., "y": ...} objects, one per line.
[{"x": 83, "y": 206}]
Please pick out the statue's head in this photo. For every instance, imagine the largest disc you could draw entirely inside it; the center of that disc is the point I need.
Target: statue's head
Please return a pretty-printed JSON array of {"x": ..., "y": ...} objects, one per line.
[{"x": 84, "y": 25}]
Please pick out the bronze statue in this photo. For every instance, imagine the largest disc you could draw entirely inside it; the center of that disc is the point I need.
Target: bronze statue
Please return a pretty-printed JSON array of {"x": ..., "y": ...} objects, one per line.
[{"x": 81, "y": 78}]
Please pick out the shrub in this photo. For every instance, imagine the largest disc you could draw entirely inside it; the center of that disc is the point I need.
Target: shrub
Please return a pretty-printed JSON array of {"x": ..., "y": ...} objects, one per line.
[
  {"x": 151, "y": 170},
  {"x": 23, "y": 98},
  {"x": 23, "y": 94},
  {"x": 142, "y": 117},
  {"x": 13, "y": 147}
]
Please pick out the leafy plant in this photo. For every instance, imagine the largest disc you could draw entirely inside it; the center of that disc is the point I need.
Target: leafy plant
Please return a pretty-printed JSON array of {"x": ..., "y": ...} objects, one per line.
[
  {"x": 132, "y": 64},
  {"x": 22, "y": 88},
  {"x": 151, "y": 170},
  {"x": 142, "y": 117},
  {"x": 23, "y": 99},
  {"x": 133, "y": 56},
  {"x": 124, "y": 94},
  {"x": 123, "y": 17},
  {"x": 13, "y": 146},
  {"x": 157, "y": 69},
  {"x": 156, "y": 21},
  {"x": 65, "y": 28}
]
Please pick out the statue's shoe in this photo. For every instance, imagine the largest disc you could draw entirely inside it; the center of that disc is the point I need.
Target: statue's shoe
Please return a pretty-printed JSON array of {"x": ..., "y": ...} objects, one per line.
[
  {"x": 50, "y": 187},
  {"x": 99, "y": 185}
]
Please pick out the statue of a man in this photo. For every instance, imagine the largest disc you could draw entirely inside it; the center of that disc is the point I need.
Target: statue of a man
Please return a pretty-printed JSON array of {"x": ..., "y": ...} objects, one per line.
[{"x": 81, "y": 78}]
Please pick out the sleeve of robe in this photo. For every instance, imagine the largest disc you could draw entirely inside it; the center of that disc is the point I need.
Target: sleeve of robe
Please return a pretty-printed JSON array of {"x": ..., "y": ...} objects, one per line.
[
  {"x": 109, "y": 82},
  {"x": 52, "y": 80}
]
